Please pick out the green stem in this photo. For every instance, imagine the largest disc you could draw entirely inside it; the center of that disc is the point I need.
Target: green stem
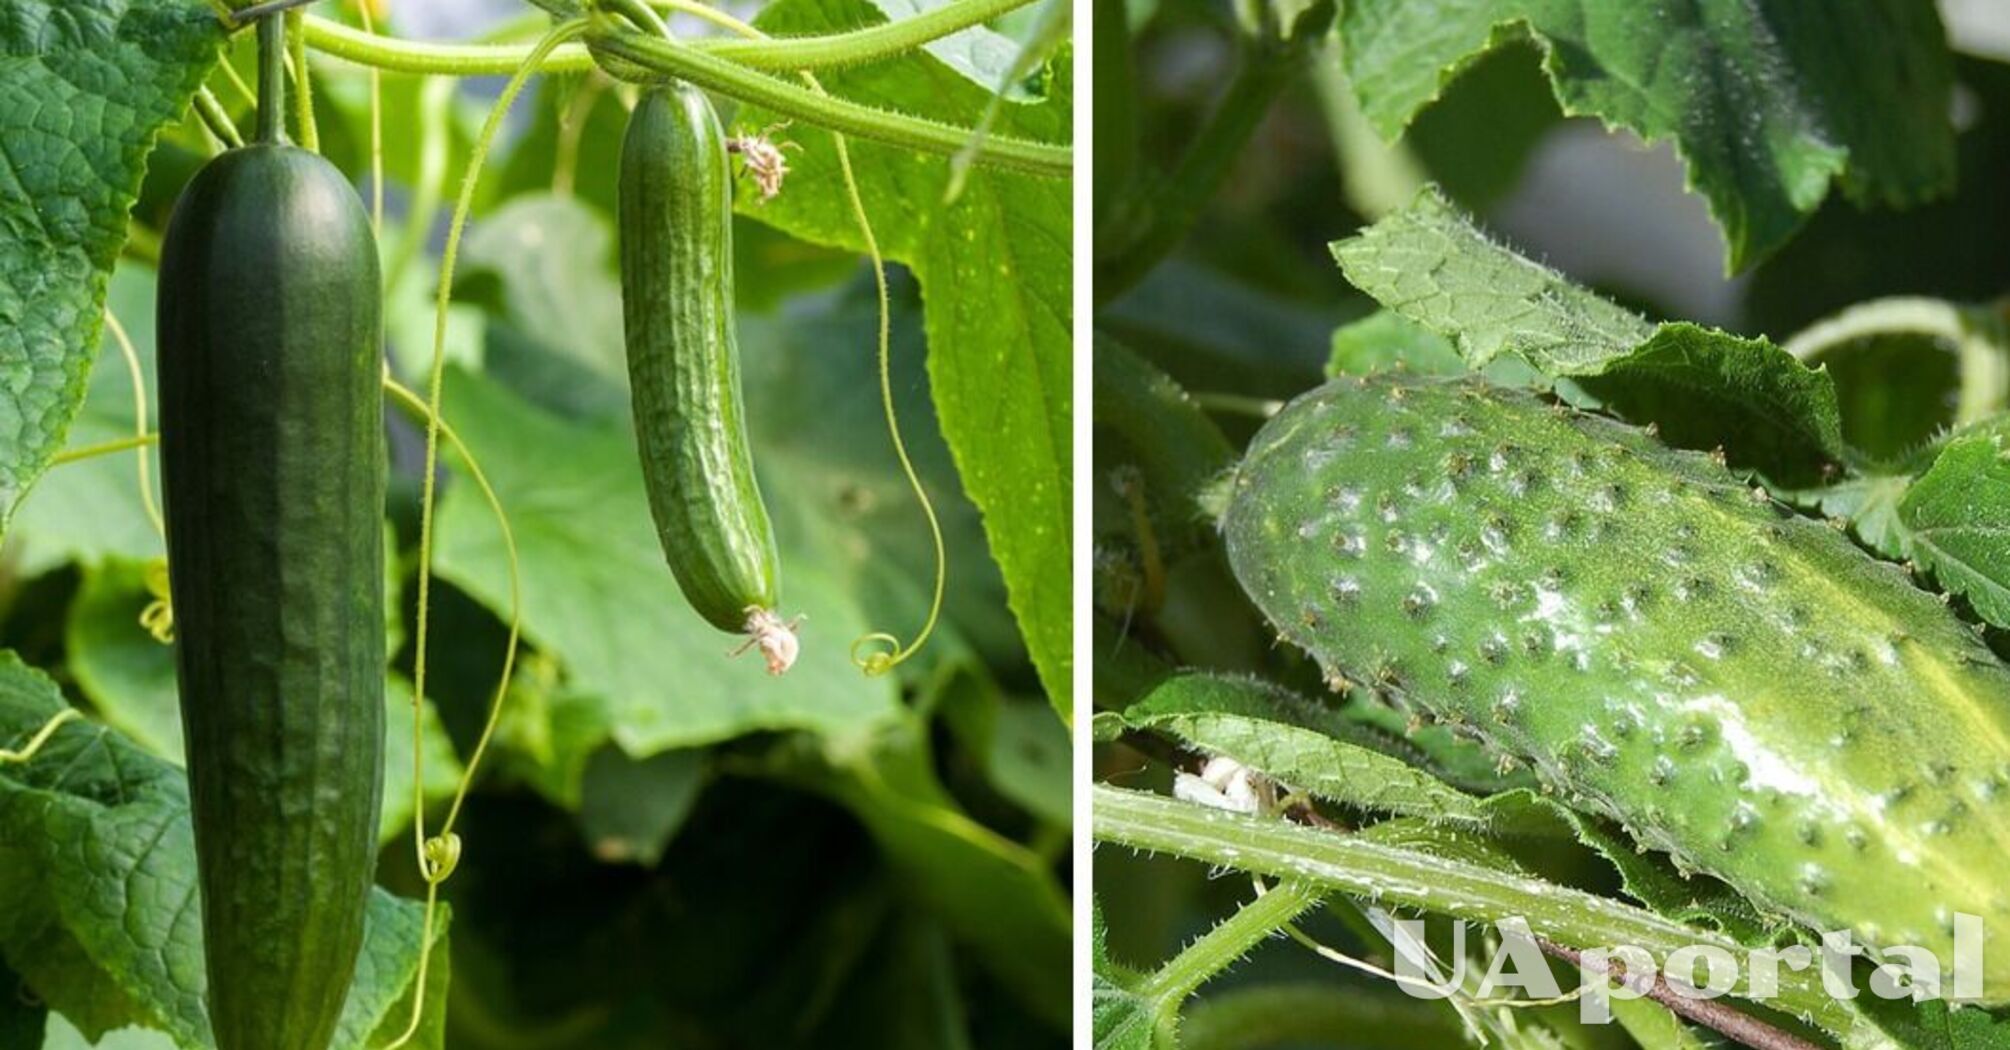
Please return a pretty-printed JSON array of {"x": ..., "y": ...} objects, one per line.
[
  {"x": 861, "y": 46},
  {"x": 1979, "y": 336},
  {"x": 303, "y": 87},
  {"x": 857, "y": 47},
  {"x": 272, "y": 80},
  {"x": 1144, "y": 231},
  {"x": 921, "y": 135},
  {"x": 1397, "y": 876},
  {"x": 1116, "y": 110},
  {"x": 103, "y": 448},
  {"x": 214, "y": 117},
  {"x": 1228, "y": 942}
]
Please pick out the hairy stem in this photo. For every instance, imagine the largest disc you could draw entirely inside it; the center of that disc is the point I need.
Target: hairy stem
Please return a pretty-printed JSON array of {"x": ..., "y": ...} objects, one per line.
[
  {"x": 921, "y": 135},
  {"x": 857, "y": 47},
  {"x": 1145, "y": 227},
  {"x": 1396, "y": 876}
]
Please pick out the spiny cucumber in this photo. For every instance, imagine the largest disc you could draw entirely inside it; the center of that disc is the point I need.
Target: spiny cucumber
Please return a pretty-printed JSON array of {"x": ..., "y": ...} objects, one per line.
[
  {"x": 676, "y": 200},
  {"x": 1739, "y": 686}
]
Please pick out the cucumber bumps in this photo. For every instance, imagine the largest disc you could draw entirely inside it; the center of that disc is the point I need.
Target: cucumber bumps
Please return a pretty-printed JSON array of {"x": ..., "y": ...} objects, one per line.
[
  {"x": 1740, "y": 687},
  {"x": 272, "y": 458},
  {"x": 676, "y": 203}
]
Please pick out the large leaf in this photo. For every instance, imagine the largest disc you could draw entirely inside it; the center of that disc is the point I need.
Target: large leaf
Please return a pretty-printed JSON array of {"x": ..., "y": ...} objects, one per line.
[
  {"x": 1120, "y": 1016},
  {"x": 85, "y": 86},
  {"x": 598, "y": 596},
  {"x": 996, "y": 275},
  {"x": 1304, "y": 746},
  {"x": 990, "y": 893},
  {"x": 1958, "y": 518},
  {"x": 91, "y": 509},
  {"x": 98, "y": 906},
  {"x": 1703, "y": 387},
  {"x": 1768, "y": 102}
]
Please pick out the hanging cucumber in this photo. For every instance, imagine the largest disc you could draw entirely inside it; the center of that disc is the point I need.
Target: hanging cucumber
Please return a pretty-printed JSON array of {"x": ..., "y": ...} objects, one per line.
[
  {"x": 272, "y": 457},
  {"x": 1740, "y": 687},
  {"x": 676, "y": 209}
]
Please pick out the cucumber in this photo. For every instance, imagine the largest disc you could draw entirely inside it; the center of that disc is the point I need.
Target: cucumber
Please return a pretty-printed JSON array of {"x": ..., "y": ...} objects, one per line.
[
  {"x": 273, "y": 464},
  {"x": 1740, "y": 687},
  {"x": 676, "y": 210}
]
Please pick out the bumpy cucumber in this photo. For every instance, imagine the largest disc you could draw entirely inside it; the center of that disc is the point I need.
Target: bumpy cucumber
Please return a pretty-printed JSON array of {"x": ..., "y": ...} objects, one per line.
[
  {"x": 1739, "y": 686},
  {"x": 676, "y": 204},
  {"x": 272, "y": 459}
]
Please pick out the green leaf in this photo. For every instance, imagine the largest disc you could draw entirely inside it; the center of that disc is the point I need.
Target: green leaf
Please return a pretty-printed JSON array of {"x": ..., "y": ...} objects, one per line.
[
  {"x": 1302, "y": 745},
  {"x": 996, "y": 274},
  {"x": 991, "y": 893},
  {"x": 827, "y": 466},
  {"x": 1120, "y": 1017},
  {"x": 1429, "y": 263},
  {"x": 550, "y": 257},
  {"x": 1703, "y": 387},
  {"x": 1022, "y": 749},
  {"x": 1144, "y": 417},
  {"x": 1386, "y": 339},
  {"x": 630, "y": 808},
  {"x": 1768, "y": 103},
  {"x": 91, "y": 509},
  {"x": 125, "y": 672},
  {"x": 98, "y": 903},
  {"x": 1958, "y": 516},
  {"x": 1870, "y": 503},
  {"x": 599, "y": 598},
  {"x": 90, "y": 83}
]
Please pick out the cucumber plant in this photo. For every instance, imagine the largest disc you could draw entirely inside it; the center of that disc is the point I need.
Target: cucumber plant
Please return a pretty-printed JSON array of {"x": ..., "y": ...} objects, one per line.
[
  {"x": 436, "y": 679},
  {"x": 1508, "y": 606}
]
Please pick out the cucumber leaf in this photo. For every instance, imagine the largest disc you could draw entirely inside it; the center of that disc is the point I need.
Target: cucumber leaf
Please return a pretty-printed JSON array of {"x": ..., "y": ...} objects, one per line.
[
  {"x": 1769, "y": 103},
  {"x": 996, "y": 279},
  {"x": 1120, "y": 1016},
  {"x": 1958, "y": 518},
  {"x": 90, "y": 84},
  {"x": 1304, "y": 746},
  {"x": 1702, "y": 386},
  {"x": 98, "y": 905},
  {"x": 1386, "y": 339},
  {"x": 598, "y": 597},
  {"x": 91, "y": 509}
]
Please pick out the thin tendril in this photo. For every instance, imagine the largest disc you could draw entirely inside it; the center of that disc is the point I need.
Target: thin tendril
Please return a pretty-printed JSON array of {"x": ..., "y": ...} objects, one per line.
[
  {"x": 237, "y": 81},
  {"x": 26, "y": 752},
  {"x": 303, "y": 94},
  {"x": 102, "y": 448},
  {"x": 438, "y": 856},
  {"x": 140, "y": 432},
  {"x": 376, "y": 124},
  {"x": 572, "y": 129},
  {"x": 215, "y": 119},
  {"x": 893, "y": 654}
]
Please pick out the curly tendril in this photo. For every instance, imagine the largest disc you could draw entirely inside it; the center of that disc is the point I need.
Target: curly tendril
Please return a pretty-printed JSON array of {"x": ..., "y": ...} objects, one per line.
[{"x": 27, "y": 751}]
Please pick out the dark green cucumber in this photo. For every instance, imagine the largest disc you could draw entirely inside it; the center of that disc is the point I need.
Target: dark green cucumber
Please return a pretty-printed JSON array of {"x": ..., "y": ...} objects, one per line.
[
  {"x": 272, "y": 459},
  {"x": 1739, "y": 686},
  {"x": 676, "y": 203}
]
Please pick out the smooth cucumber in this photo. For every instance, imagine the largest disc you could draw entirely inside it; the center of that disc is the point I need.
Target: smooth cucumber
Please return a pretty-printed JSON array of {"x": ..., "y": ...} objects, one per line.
[
  {"x": 1741, "y": 687},
  {"x": 272, "y": 459},
  {"x": 676, "y": 210}
]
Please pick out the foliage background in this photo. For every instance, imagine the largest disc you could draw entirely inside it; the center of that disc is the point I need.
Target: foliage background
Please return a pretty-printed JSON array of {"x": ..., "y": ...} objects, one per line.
[{"x": 669, "y": 848}]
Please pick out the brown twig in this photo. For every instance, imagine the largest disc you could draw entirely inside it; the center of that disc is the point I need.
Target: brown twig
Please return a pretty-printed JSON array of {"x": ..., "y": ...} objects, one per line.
[{"x": 1709, "y": 1013}]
